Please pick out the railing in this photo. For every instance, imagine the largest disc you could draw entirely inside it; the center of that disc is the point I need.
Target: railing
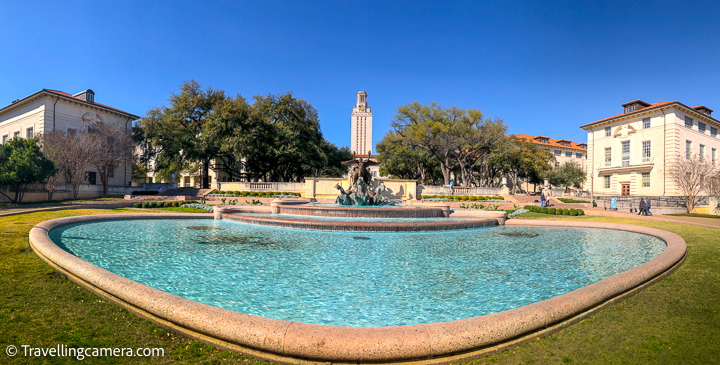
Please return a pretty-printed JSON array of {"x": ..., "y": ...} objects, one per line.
[
  {"x": 260, "y": 186},
  {"x": 655, "y": 201},
  {"x": 633, "y": 162}
]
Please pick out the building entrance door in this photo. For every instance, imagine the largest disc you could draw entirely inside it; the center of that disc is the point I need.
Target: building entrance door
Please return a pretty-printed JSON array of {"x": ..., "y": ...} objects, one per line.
[
  {"x": 92, "y": 178},
  {"x": 625, "y": 189}
]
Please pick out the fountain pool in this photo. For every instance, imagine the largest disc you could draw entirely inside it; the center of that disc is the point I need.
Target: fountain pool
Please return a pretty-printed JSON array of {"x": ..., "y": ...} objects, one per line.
[{"x": 300, "y": 296}]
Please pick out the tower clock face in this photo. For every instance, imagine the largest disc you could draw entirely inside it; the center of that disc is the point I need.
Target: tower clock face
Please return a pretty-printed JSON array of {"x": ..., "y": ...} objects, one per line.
[{"x": 362, "y": 108}]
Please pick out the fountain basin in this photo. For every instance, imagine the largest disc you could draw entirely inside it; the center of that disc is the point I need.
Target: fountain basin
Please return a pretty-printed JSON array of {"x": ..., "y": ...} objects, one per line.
[
  {"x": 390, "y": 225},
  {"x": 351, "y": 211},
  {"x": 293, "y": 342}
]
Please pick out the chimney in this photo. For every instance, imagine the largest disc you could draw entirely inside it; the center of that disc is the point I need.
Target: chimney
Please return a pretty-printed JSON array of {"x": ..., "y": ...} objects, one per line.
[{"x": 87, "y": 95}]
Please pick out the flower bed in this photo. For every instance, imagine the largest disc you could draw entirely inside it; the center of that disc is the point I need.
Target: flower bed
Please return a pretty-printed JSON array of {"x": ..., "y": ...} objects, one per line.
[
  {"x": 266, "y": 194},
  {"x": 463, "y": 198},
  {"x": 163, "y": 204}
]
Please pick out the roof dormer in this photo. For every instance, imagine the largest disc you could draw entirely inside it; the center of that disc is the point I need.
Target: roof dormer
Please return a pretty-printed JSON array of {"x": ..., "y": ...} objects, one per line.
[
  {"x": 542, "y": 139},
  {"x": 582, "y": 145},
  {"x": 634, "y": 105},
  {"x": 87, "y": 95},
  {"x": 564, "y": 142},
  {"x": 703, "y": 109}
]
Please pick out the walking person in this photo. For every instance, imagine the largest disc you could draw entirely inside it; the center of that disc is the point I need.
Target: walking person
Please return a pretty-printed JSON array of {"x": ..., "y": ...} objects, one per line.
[
  {"x": 647, "y": 207},
  {"x": 542, "y": 199},
  {"x": 642, "y": 206}
]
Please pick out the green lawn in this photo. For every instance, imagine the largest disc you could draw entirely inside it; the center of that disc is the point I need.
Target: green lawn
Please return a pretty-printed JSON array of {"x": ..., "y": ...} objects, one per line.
[
  {"x": 676, "y": 321},
  {"x": 67, "y": 201},
  {"x": 699, "y": 215}
]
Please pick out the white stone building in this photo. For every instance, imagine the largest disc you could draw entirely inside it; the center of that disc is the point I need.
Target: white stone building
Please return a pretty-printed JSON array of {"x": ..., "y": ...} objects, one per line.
[
  {"x": 632, "y": 153},
  {"x": 48, "y": 110}
]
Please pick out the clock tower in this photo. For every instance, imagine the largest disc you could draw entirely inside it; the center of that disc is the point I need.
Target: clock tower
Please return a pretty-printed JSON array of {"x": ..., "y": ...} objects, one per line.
[{"x": 361, "y": 132}]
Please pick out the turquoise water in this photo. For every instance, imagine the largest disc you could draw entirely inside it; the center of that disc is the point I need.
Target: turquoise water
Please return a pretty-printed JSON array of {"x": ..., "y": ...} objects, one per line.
[{"x": 352, "y": 278}]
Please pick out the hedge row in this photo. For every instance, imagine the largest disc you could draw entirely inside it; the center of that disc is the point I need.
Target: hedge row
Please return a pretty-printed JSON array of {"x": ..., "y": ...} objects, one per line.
[
  {"x": 163, "y": 204},
  {"x": 250, "y": 193},
  {"x": 556, "y": 211},
  {"x": 463, "y": 197}
]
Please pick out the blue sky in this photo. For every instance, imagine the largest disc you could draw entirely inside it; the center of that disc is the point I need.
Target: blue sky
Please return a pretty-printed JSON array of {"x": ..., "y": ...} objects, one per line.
[{"x": 544, "y": 67}]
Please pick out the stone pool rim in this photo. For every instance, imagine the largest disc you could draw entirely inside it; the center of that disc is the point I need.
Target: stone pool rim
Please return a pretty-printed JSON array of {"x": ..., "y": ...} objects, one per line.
[{"x": 294, "y": 342}]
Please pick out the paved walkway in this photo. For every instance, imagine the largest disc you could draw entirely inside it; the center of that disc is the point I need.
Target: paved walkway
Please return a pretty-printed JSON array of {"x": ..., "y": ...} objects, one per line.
[
  {"x": 704, "y": 222},
  {"x": 31, "y": 208}
]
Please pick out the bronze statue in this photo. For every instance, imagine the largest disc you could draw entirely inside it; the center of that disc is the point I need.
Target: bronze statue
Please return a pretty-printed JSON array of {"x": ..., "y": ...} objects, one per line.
[{"x": 360, "y": 181}]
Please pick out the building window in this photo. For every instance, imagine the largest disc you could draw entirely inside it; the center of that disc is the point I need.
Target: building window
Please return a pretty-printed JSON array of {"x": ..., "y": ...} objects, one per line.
[
  {"x": 631, "y": 108},
  {"x": 626, "y": 153},
  {"x": 646, "y": 123},
  {"x": 713, "y": 132},
  {"x": 71, "y": 131},
  {"x": 111, "y": 171},
  {"x": 4, "y": 139},
  {"x": 701, "y": 127},
  {"x": 688, "y": 149},
  {"x": 558, "y": 152},
  {"x": 16, "y": 134},
  {"x": 608, "y": 156},
  {"x": 29, "y": 133},
  {"x": 608, "y": 132},
  {"x": 607, "y": 182},
  {"x": 646, "y": 179},
  {"x": 568, "y": 154},
  {"x": 713, "y": 156},
  {"x": 702, "y": 153},
  {"x": 578, "y": 155},
  {"x": 646, "y": 151},
  {"x": 688, "y": 122}
]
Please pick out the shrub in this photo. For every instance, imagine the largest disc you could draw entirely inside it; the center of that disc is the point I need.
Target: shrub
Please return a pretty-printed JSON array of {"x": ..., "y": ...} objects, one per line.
[
  {"x": 168, "y": 204},
  {"x": 464, "y": 198},
  {"x": 527, "y": 207},
  {"x": 175, "y": 204},
  {"x": 594, "y": 204},
  {"x": 544, "y": 210},
  {"x": 566, "y": 211},
  {"x": 552, "y": 211},
  {"x": 518, "y": 212},
  {"x": 144, "y": 205},
  {"x": 473, "y": 198},
  {"x": 573, "y": 212},
  {"x": 580, "y": 212},
  {"x": 137, "y": 205}
]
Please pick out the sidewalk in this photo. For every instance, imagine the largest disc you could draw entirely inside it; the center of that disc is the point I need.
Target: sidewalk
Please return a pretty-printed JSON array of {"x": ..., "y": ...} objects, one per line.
[
  {"x": 31, "y": 208},
  {"x": 703, "y": 222}
]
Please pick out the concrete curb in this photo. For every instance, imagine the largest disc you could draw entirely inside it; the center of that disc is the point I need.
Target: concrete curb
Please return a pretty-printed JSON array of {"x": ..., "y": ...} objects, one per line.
[{"x": 296, "y": 343}]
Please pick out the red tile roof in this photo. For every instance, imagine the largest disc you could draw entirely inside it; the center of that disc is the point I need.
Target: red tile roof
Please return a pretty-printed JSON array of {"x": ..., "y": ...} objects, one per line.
[
  {"x": 552, "y": 142},
  {"x": 87, "y": 102},
  {"x": 633, "y": 112}
]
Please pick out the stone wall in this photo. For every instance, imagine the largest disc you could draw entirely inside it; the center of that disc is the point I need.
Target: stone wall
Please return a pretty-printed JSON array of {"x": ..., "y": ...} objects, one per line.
[
  {"x": 38, "y": 193},
  {"x": 425, "y": 190}
]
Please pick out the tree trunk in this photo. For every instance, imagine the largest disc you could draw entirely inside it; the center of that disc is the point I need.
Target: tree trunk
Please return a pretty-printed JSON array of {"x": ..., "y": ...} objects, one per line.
[
  {"x": 205, "y": 172},
  {"x": 50, "y": 187}
]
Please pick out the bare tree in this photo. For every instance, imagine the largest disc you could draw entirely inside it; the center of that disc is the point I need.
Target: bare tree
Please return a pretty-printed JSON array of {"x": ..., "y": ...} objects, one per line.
[
  {"x": 112, "y": 147},
  {"x": 79, "y": 151},
  {"x": 692, "y": 176},
  {"x": 54, "y": 145}
]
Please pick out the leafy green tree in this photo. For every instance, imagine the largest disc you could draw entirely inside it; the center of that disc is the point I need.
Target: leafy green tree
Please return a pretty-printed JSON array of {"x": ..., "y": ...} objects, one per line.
[
  {"x": 520, "y": 159},
  {"x": 335, "y": 156},
  {"x": 180, "y": 135},
  {"x": 22, "y": 163},
  {"x": 288, "y": 143},
  {"x": 567, "y": 175},
  {"x": 405, "y": 162},
  {"x": 456, "y": 138}
]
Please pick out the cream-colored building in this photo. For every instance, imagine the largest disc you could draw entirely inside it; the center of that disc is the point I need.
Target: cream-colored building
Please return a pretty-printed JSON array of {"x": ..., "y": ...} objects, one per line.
[
  {"x": 48, "y": 110},
  {"x": 361, "y": 130},
  {"x": 633, "y": 153}
]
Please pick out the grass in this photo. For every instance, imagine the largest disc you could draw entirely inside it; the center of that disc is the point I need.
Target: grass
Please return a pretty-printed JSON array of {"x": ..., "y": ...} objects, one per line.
[
  {"x": 570, "y": 201},
  {"x": 67, "y": 201},
  {"x": 699, "y": 215},
  {"x": 676, "y": 321}
]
